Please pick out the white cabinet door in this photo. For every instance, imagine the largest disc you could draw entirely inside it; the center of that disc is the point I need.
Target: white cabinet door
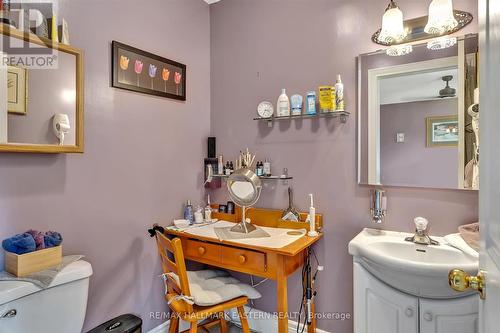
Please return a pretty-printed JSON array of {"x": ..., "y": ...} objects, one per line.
[
  {"x": 379, "y": 308},
  {"x": 452, "y": 315}
]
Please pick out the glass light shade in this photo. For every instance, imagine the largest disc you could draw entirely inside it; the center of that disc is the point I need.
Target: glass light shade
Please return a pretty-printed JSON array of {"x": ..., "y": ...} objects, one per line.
[
  {"x": 441, "y": 43},
  {"x": 399, "y": 50},
  {"x": 441, "y": 17},
  {"x": 392, "y": 25}
]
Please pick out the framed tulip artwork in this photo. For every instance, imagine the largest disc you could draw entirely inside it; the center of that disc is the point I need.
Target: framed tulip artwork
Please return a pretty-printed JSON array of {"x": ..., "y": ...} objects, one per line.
[{"x": 144, "y": 72}]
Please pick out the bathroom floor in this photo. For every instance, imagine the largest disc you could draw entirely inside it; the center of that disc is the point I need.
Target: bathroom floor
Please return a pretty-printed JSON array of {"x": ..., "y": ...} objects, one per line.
[{"x": 232, "y": 329}]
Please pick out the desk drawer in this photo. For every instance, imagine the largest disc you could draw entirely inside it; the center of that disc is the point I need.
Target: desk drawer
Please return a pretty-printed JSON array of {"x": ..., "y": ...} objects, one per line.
[
  {"x": 251, "y": 260},
  {"x": 195, "y": 249}
]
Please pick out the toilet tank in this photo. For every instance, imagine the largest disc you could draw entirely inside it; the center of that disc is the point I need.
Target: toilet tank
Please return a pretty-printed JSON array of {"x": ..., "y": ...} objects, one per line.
[{"x": 26, "y": 308}]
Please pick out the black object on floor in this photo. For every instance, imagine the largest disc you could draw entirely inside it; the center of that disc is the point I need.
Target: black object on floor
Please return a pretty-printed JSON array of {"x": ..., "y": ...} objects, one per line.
[{"x": 127, "y": 323}]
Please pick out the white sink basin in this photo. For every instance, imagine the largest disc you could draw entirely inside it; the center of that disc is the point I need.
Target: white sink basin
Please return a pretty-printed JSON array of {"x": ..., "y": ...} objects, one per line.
[{"x": 420, "y": 270}]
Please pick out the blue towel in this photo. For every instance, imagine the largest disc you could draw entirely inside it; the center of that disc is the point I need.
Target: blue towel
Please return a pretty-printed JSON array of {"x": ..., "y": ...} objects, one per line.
[
  {"x": 19, "y": 244},
  {"x": 52, "y": 238}
]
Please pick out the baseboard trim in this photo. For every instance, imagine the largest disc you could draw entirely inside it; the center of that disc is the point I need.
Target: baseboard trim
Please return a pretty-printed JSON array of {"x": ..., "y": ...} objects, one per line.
[
  {"x": 264, "y": 324},
  {"x": 163, "y": 328}
]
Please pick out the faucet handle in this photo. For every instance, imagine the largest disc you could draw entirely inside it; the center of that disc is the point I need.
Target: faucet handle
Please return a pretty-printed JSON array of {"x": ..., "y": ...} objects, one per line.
[{"x": 421, "y": 223}]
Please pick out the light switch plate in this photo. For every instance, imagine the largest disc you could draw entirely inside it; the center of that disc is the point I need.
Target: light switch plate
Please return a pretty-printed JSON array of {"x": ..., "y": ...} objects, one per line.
[{"x": 400, "y": 137}]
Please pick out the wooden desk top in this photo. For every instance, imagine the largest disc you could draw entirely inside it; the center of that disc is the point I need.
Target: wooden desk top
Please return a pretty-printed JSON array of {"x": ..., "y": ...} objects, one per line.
[{"x": 289, "y": 250}]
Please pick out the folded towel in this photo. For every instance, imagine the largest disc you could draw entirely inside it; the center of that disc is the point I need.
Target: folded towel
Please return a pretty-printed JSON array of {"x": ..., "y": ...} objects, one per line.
[
  {"x": 458, "y": 242},
  {"x": 19, "y": 244},
  {"x": 39, "y": 239},
  {"x": 52, "y": 239},
  {"x": 42, "y": 279},
  {"x": 470, "y": 234}
]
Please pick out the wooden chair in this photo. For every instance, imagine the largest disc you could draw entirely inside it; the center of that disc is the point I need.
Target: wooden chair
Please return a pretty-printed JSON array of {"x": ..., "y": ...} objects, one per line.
[{"x": 181, "y": 309}]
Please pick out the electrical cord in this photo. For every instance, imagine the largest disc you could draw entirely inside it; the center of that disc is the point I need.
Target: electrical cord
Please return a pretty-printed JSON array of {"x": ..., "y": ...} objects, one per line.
[{"x": 306, "y": 269}]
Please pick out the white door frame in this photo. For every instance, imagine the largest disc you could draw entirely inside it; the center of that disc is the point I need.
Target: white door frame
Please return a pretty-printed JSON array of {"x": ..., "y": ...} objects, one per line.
[{"x": 489, "y": 187}]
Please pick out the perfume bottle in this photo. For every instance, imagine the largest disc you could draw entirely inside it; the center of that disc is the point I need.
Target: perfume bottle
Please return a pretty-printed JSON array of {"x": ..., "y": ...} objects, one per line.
[
  {"x": 267, "y": 168},
  {"x": 188, "y": 212}
]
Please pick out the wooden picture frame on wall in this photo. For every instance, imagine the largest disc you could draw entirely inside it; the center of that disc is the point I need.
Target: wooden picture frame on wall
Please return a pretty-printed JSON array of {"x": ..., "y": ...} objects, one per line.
[
  {"x": 442, "y": 131},
  {"x": 78, "y": 147},
  {"x": 140, "y": 71},
  {"x": 17, "y": 90}
]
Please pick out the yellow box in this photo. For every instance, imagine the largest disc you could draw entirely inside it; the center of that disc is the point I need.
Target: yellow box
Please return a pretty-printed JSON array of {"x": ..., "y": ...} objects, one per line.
[
  {"x": 25, "y": 264},
  {"x": 326, "y": 99}
]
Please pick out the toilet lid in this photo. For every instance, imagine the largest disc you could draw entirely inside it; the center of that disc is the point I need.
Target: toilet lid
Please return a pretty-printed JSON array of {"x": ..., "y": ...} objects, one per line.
[{"x": 15, "y": 289}]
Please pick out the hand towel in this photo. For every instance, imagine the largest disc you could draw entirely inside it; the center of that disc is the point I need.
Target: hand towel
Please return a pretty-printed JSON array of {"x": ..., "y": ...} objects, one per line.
[
  {"x": 52, "y": 239},
  {"x": 470, "y": 234},
  {"x": 458, "y": 242},
  {"x": 44, "y": 278},
  {"x": 39, "y": 239},
  {"x": 19, "y": 244}
]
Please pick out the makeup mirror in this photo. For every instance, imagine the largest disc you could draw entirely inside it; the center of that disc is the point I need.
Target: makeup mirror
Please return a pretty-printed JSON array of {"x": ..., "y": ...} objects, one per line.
[{"x": 244, "y": 188}]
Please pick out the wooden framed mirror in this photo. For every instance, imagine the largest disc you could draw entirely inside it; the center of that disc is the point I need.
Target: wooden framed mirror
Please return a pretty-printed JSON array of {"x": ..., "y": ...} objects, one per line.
[{"x": 41, "y": 94}]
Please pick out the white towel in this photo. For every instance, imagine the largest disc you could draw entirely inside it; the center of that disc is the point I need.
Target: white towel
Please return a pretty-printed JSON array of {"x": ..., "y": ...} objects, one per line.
[{"x": 458, "y": 242}]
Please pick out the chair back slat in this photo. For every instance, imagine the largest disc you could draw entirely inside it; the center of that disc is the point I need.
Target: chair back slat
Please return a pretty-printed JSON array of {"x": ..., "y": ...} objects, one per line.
[{"x": 178, "y": 266}]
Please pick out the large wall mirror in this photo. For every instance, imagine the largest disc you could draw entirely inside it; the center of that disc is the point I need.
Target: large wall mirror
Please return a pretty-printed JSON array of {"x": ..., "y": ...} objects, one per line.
[
  {"x": 41, "y": 90},
  {"x": 417, "y": 118}
]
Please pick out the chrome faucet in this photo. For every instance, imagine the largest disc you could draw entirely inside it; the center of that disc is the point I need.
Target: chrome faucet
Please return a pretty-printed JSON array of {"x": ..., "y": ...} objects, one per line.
[{"x": 421, "y": 233}]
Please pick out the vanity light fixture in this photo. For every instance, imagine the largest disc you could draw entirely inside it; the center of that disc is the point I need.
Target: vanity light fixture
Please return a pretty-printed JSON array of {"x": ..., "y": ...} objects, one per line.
[
  {"x": 393, "y": 28},
  {"x": 399, "y": 50},
  {"x": 438, "y": 23},
  {"x": 441, "y": 17},
  {"x": 441, "y": 43}
]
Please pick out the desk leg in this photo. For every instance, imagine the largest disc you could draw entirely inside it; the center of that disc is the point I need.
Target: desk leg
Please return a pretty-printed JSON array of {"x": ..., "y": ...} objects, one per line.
[{"x": 282, "y": 296}]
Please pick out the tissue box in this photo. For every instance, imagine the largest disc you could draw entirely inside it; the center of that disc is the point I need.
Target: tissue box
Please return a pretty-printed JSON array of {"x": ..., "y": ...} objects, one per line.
[{"x": 25, "y": 264}]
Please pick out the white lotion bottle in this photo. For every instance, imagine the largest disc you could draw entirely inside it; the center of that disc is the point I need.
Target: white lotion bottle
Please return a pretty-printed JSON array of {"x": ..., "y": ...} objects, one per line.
[
  {"x": 312, "y": 219},
  {"x": 283, "y": 107}
]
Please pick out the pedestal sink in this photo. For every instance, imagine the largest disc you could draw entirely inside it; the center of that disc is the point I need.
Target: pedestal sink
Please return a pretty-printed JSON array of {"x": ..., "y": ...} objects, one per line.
[{"x": 419, "y": 270}]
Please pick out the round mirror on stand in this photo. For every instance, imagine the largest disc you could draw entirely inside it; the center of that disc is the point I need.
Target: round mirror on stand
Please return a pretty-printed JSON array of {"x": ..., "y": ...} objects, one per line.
[{"x": 244, "y": 188}]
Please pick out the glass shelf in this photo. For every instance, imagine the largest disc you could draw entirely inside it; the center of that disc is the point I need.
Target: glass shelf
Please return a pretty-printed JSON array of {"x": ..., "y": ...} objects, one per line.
[
  {"x": 343, "y": 115},
  {"x": 261, "y": 177}
]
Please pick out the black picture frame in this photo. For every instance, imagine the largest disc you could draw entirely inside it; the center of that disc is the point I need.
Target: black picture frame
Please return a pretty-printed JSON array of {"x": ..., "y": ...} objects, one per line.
[{"x": 122, "y": 77}]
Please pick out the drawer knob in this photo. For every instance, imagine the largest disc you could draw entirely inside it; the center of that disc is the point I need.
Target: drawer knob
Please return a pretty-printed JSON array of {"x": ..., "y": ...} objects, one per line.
[
  {"x": 428, "y": 316},
  {"x": 242, "y": 259},
  {"x": 409, "y": 312},
  {"x": 201, "y": 250}
]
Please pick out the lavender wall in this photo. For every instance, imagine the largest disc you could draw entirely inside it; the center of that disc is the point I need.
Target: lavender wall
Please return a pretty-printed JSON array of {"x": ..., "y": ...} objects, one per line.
[
  {"x": 142, "y": 156},
  {"x": 261, "y": 46},
  {"x": 411, "y": 163}
]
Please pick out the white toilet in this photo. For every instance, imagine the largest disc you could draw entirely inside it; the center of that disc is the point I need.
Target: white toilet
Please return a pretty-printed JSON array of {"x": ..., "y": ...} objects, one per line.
[{"x": 26, "y": 308}]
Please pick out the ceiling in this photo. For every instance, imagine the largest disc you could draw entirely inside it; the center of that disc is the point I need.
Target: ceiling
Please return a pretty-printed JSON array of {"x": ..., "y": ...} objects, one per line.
[{"x": 413, "y": 87}]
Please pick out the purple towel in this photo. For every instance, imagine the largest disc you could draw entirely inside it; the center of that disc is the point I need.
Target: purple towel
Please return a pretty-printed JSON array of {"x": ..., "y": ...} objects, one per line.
[{"x": 39, "y": 239}]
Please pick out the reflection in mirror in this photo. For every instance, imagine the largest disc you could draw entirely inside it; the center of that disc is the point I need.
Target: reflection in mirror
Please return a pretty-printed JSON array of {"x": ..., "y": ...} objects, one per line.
[
  {"x": 44, "y": 93},
  {"x": 415, "y": 129},
  {"x": 243, "y": 190}
]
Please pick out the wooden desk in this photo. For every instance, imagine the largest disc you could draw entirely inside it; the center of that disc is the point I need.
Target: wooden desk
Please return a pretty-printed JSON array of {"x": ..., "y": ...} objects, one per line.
[{"x": 271, "y": 263}]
